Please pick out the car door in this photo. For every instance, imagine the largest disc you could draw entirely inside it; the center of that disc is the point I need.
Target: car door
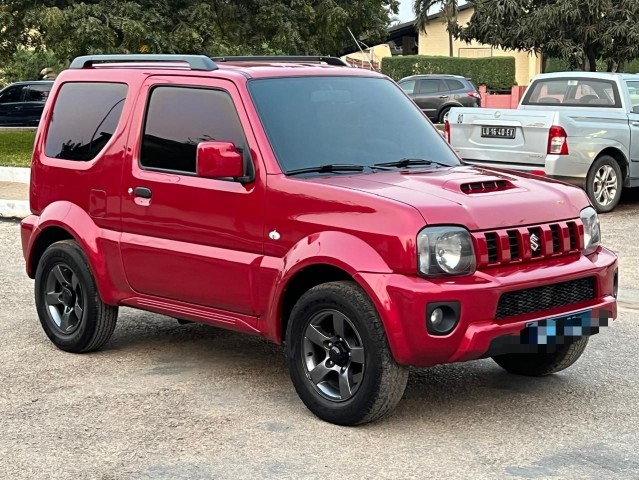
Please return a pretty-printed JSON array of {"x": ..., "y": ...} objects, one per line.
[
  {"x": 188, "y": 238},
  {"x": 633, "y": 119},
  {"x": 11, "y": 105},
  {"x": 430, "y": 95},
  {"x": 34, "y": 99}
]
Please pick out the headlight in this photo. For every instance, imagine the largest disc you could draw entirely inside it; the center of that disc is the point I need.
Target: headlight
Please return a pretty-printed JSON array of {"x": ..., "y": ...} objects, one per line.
[
  {"x": 592, "y": 234},
  {"x": 445, "y": 251}
]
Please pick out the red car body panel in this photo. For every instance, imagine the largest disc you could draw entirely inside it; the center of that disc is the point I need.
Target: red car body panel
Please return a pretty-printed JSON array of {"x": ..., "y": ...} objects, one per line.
[{"x": 175, "y": 255}]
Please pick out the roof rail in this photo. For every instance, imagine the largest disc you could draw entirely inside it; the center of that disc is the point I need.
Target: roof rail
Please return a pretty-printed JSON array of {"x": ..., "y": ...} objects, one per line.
[
  {"x": 338, "y": 62},
  {"x": 195, "y": 62}
]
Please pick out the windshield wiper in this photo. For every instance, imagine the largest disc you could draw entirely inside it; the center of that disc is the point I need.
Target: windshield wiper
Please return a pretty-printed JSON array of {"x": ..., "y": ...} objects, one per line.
[
  {"x": 328, "y": 168},
  {"x": 409, "y": 162}
]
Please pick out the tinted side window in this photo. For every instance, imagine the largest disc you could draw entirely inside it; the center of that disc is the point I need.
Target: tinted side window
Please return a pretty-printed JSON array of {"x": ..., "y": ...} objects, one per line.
[
  {"x": 12, "y": 94},
  {"x": 84, "y": 118},
  {"x": 431, "y": 86},
  {"x": 455, "y": 85},
  {"x": 408, "y": 86},
  {"x": 37, "y": 93},
  {"x": 178, "y": 118}
]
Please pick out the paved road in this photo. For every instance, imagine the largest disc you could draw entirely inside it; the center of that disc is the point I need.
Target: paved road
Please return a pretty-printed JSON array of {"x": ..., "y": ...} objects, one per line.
[{"x": 164, "y": 401}]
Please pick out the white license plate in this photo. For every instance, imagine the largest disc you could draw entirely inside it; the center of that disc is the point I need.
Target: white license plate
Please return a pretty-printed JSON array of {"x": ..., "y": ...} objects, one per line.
[{"x": 497, "y": 132}]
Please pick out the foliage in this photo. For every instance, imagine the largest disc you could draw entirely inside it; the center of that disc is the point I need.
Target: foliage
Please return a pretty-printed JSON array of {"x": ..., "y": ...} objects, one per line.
[
  {"x": 213, "y": 27},
  {"x": 494, "y": 72},
  {"x": 16, "y": 148},
  {"x": 449, "y": 11},
  {"x": 561, "y": 65},
  {"x": 28, "y": 64},
  {"x": 581, "y": 32}
]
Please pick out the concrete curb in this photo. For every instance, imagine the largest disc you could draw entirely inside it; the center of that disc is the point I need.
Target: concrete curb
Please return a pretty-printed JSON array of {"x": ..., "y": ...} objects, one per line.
[
  {"x": 14, "y": 208},
  {"x": 15, "y": 174}
]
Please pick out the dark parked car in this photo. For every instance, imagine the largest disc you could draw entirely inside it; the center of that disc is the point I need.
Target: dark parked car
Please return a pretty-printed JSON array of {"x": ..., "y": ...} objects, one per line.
[
  {"x": 437, "y": 94},
  {"x": 21, "y": 103}
]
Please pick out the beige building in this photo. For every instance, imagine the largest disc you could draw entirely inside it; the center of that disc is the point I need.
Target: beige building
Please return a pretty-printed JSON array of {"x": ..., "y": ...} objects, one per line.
[{"x": 435, "y": 42}]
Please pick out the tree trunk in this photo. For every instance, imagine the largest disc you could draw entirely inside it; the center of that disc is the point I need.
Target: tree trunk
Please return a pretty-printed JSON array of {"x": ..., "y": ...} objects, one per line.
[
  {"x": 592, "y": 60},
  {"x": 451, "y": 51}
]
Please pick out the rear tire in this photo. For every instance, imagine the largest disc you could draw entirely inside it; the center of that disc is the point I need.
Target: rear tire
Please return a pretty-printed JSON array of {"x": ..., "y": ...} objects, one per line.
[
  {"x": 604, "y": 183},
  {"x": 541, "y": 364},
  {"x": 338, "y": 356},
  {"x": 70, "y": 309}
]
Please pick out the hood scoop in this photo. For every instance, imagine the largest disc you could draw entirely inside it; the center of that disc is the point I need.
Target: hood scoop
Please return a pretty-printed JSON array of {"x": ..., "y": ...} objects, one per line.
[{"x": 486, "y": 186}]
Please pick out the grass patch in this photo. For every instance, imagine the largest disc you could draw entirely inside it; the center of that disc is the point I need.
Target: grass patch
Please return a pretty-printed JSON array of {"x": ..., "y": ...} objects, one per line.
[{"x": 16, "y": 148}]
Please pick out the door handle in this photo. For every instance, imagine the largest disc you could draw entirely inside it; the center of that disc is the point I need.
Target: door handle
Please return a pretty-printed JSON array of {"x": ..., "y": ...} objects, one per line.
[
  {"x": 142, "y": 192},
  {"x": 443, "y": 96},
  {"x": 634, "y": 123}
]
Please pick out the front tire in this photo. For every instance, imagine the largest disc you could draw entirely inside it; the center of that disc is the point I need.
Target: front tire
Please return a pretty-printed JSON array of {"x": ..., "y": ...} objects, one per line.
[
  {"x": 604, "y": 183},
  {"x": 338, "y": 356},
  {"x": 443, "y": 114},
  {"x": 70, "y": 309},
  {"x": 543, "y": 363}
]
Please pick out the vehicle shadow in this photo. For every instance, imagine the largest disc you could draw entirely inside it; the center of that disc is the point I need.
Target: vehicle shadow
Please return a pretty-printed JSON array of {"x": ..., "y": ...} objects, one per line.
[{"x": 436, "y": 393}]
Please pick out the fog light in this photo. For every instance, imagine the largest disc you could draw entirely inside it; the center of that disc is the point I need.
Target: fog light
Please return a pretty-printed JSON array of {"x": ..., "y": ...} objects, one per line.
[
  {"x": 437, "y": 317},
  {"x": 442, "y": 317}
]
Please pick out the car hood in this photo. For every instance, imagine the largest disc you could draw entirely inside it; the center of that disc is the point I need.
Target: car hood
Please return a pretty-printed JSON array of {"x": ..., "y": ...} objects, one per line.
[{"x": 475, "y": 197}]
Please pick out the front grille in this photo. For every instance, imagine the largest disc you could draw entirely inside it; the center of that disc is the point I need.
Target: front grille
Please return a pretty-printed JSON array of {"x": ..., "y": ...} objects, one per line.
[
  {"x": 521, "y": 244},
  {"x": 491, "y": 244},
  {"x": 538, "y": 299}
]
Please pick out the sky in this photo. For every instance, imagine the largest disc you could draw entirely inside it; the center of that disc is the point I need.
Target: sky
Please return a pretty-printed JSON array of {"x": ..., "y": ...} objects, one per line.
[{"x": 406, "y": 10}]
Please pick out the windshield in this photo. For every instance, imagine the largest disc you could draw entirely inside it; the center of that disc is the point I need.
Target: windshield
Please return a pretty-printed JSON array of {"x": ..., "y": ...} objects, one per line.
[{"x": 314, "y": 121}]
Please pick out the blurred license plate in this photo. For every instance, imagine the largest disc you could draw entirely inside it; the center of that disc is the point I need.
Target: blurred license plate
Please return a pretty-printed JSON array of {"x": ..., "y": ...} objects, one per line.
[
  {"x": 498, "y": 132},
  {"x": 554, "y": 331}
]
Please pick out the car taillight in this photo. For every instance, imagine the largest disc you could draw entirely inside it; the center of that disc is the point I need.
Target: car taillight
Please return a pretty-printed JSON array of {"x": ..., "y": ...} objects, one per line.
[
  {"x": 447, "y": 131},
  {"x": 474, "y": 94},
  {"x": 557, "y": 141}
]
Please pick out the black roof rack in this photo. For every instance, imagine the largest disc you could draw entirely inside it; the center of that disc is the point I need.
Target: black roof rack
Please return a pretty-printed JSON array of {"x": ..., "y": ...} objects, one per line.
[
  {"x": 285, "y": 59},
  {"x": 195, "y": 62}
]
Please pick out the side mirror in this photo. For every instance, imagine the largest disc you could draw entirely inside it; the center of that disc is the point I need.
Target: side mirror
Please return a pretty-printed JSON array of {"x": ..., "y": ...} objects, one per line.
[{"x": 218, "y": 160}]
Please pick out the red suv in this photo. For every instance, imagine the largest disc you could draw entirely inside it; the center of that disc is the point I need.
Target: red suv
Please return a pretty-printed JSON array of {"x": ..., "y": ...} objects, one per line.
[{"x": 309, "y": 203}]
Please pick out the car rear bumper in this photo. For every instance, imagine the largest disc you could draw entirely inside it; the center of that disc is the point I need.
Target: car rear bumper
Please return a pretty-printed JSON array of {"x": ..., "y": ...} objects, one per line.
[{"x": 403, "y": 301}]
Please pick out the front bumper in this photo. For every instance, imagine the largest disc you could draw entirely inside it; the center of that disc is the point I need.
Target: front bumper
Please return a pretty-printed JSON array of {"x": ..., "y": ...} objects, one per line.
[{"x": 402, "y": 302}]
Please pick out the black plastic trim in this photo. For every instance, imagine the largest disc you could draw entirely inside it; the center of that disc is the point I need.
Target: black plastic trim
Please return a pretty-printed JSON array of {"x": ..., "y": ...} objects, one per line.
[{"x": 338, "y": 62}]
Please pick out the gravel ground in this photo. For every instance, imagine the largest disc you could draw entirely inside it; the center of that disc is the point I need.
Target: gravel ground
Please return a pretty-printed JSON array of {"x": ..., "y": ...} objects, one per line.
[{"x": 163, "y": 401}]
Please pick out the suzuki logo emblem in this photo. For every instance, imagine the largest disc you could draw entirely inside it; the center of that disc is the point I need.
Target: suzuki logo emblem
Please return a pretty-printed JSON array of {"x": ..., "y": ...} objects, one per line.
[{"x": 534, "y": 243}]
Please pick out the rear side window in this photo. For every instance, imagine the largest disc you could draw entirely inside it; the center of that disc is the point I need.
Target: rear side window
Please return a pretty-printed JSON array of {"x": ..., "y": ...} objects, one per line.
[
  {"x": 431, "y": 86},
  {"x": 455, "y": 85},
  {"x": 37, "y": 93},
  {"x": 84, "y": 119},
  {"x": 179, "y": 118}
]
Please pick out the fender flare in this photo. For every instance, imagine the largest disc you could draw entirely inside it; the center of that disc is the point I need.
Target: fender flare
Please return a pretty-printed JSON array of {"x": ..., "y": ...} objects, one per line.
[
  {"x": 336, "y": 249},
  {"x": 97, "y": 243}
]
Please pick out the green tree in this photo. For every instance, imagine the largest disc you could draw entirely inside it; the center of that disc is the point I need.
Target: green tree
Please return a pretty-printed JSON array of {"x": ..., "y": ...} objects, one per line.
[
  {"x": 213, "y": 27},
  {"x": 28, "y": 64},
  {"x": 581, "y": 32},
  {"x": 449, "y": 11}
]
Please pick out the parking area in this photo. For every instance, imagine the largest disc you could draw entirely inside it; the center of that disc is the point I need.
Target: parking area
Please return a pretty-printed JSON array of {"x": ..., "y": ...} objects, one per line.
[{"x": 165, "y": 401}]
